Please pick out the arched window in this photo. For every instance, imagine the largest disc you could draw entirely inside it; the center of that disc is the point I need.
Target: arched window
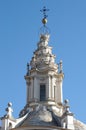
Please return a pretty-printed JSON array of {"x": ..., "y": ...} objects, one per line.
[
  {"x": 42, "y": 92},
  {"x": 10, "y": 125}
]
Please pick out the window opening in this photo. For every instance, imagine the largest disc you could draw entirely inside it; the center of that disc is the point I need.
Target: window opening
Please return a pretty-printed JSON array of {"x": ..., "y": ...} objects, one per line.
[{"x": 42, "y": 92}]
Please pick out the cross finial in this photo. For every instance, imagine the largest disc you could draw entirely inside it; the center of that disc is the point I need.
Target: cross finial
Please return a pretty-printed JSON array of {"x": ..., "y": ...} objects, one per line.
[
  {"x": 44, "y": 10},
  {"x": 44, "y": 29}
]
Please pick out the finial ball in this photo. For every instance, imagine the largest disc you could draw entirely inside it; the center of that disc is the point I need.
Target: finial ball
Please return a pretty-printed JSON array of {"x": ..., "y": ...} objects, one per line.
[
  {"x": 66, "y": 101},
  {"x": 9, "y": 104},
  {"x": 44, "y": 20}
]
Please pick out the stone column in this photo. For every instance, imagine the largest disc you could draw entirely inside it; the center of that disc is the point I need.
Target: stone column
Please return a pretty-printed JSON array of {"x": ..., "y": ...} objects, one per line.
[
  {"x": 52, "y": 88},
  {"x": 32, "y": 89},
  {"x": 59, "y": 91},
  {"x": 27, "y": 91},
  {"x": 36, "y": 89},
  {"x": 49, "y": 86}
]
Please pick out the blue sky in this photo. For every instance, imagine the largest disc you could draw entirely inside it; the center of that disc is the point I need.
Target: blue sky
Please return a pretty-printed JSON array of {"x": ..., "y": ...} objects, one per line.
[{"x": 20, "y": 22}]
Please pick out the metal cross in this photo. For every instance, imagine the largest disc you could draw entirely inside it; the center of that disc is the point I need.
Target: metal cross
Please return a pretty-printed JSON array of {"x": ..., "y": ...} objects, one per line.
[{"x": 44, "y": 10}]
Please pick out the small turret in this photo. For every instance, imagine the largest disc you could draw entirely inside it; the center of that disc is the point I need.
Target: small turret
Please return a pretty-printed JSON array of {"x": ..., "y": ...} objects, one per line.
[
  {"x": 67, "y": 118},
  {"x": 8, "y": 120}
]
